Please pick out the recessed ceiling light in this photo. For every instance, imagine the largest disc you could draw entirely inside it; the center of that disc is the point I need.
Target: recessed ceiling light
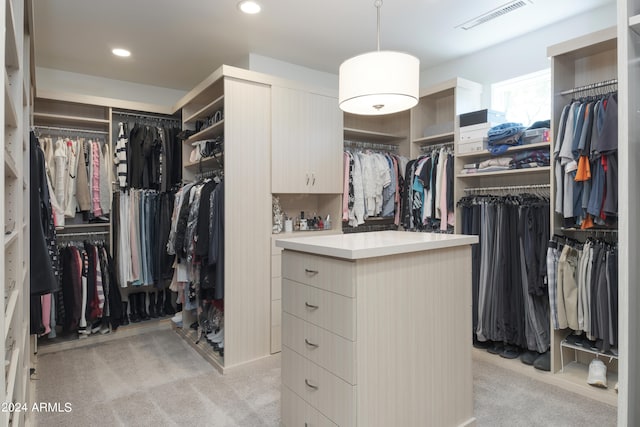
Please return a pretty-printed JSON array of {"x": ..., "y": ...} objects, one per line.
[
  {"x": 121, "y": 52},
  {"x": 249, "y": 6}
]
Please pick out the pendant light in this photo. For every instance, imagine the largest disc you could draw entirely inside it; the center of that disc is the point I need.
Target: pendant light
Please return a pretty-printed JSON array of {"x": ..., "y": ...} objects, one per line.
[{"x": 380, "y": 82}]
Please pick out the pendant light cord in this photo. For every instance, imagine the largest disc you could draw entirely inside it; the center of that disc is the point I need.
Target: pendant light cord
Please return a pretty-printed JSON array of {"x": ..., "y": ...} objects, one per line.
[{"x": 378, "y": 4}]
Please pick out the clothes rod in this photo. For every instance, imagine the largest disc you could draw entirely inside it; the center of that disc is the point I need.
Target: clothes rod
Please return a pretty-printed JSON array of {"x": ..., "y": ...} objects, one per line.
[
  {"x": 84, "y": 233},
  {"x": 508, "y": 188},
  {"x": 590, "y": 87},
  {"x": 72, "y": 130},
  {"x": 438, "y": 146},
  {"x": 145, "y": 116},
  {"x": 370, "y": 145}
]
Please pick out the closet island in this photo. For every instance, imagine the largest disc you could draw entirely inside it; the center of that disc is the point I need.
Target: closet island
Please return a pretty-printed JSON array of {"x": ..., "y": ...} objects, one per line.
[{"x": 376, "y": 329}]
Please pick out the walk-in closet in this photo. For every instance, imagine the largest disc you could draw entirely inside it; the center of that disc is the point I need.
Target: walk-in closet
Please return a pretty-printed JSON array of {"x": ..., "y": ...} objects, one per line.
[{"x": 227, "y": 214}]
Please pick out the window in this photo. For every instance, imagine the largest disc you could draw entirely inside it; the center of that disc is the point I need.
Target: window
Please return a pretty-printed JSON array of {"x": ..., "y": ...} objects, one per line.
[{"x": 525, "y": 99}]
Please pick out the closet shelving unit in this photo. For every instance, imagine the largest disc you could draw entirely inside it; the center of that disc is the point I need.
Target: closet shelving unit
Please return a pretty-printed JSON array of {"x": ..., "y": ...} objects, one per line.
[
  {"x": 14, "y": 260},
  {"x": 629, "y": 229},
  {"x": 434, "y": 120},
  {"x": 59, "y": 118},
  {"x": 245, "y": 98},
  {"x": 577, "y": 63}
]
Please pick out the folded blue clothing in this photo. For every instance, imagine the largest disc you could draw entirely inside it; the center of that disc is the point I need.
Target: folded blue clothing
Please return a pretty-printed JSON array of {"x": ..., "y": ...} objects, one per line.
[{"x": 504, "y": 130}]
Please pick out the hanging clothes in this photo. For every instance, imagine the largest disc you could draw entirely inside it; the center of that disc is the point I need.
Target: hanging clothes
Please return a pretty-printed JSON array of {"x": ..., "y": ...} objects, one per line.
[{"x": 510, "y": 296}]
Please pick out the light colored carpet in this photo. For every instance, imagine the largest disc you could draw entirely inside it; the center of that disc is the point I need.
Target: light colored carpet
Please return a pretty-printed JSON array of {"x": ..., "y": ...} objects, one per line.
[{"x": 156, "y": 379}]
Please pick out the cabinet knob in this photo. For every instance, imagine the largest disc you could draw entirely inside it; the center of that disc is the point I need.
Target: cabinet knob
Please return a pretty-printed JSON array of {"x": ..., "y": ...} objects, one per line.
[
  {"x": 311, "y": 306},
  {"x": 306, "y": 270},
  {"x": 310, "y": 344},
  {"x": 311, "y": 386}
]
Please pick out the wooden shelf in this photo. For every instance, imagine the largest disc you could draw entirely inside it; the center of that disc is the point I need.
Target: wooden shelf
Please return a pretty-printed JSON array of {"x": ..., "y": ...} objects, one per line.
[
  {"x": 205, "y": 162},
  {"x": 506, "y": 172},
  {"x": 206, "y": 111},
  {"x": 12, "y": 59},
  {"x": 61, "y": 119},
  {"x": 10, "y": 112},
  {"x": 435, "y": 139},
  {"x": 513, "y": 149},
  {"x": 84, "y": 226},
  {"x": 368, "y": 135},
  {"x": 210, "y": 132},
  {"x": 634, "y": 23}
]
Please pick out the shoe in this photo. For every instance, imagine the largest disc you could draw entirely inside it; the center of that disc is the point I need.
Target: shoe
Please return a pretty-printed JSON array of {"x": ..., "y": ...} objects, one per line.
[
  {"x": 96, "y": 326},
  {"x": 124, "y": 320},
  {"x": 543, "y": 362},
  {"x": 597, "y": 374},
  {"x": 482, "y": 344},
  {"x": 528, "y": 357},
  {"x": 574, "y": 339},
  {"x": 105, "y": 329},
  {"x": 160, "y": 304},
  {"x": 133, "y": 306},
  {"x": 152, "y": 305},
  {"x": 168, "y": 307},
  {"x": 217, "y": 337},
  {"x": 616, "y": 387},
  {"x": 510, "y": 352},
  {"x": 142, "y": 305},
  {"x": 177, "y": 318},
  {"x": 194, "y": 326},
  {"x": 496, "y": 348}
]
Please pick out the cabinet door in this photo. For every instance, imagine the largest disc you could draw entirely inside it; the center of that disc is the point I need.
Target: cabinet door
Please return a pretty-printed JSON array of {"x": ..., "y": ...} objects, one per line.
[
  {"x": 325, "y": 145},
  {"x": 290, "y": 122}
]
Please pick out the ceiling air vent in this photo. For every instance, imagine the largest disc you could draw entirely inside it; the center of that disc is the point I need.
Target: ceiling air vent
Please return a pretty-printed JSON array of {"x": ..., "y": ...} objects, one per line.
[{"x": 493, "y": 14}]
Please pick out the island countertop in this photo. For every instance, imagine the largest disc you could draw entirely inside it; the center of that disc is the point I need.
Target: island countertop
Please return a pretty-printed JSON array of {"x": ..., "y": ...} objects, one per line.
[{"x": 373, "y": 244}]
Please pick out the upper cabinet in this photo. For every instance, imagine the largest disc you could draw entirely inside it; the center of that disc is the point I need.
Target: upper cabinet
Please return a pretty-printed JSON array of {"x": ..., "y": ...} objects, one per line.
[{"x": 306, "y": 135}]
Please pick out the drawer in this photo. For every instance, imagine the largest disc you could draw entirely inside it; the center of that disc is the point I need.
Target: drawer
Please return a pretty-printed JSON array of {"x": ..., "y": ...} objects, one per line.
[
  {"x": 322, "y": 272},
  {"x": 276, "y": 265},
  {"x": 298, "y": 413},
  {"x": 331, "y": 351},
  {"x": 332, "y": 396},
  {"x": 330, "y": 311},
  {"x": 276, "y": 288}
]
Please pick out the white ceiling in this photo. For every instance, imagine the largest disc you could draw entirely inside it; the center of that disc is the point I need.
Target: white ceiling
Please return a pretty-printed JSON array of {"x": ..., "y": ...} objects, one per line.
[{"x": 176, "y": 44}]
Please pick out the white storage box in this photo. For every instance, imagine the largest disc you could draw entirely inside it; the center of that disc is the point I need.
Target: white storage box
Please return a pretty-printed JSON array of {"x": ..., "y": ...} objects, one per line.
[{"x": 472, "y": 145}]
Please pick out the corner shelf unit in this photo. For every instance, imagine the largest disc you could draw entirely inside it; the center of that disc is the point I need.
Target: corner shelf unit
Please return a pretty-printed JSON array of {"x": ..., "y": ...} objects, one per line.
[
  {"x": 14, "y": 214},
  {"x": 576, "y": 63}
]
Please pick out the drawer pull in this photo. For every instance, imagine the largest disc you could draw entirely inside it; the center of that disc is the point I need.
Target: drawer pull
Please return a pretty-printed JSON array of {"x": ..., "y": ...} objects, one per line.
[
  {"x": 310, "y": 306},
  {"x": 310, "y": 344},
  {"x": 306, "y": 270},
  {"x": 311, "y": 386}
]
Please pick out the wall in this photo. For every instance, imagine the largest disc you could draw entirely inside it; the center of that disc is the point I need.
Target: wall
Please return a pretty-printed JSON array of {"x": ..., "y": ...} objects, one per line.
[
  {"x": 102, "y": 91},
  {"x": 522, "y": 55},
  {"x": 286, "y": 70}
]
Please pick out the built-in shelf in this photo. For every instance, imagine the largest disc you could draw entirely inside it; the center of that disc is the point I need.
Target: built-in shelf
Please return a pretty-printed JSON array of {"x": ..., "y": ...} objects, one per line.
[
  {"x": 634, "y": 23},
  {"x": 207, "y": 110},
  {"x": 435, "y": 139},
  {"x": 10, "y": 309},
  {"x": 513, "y": 149},
  {"x": 10, "y": 169},
  {"x": 10, "y": 114},
  {"x": 10, "y": 238},
  {"x": 590, "y": 230},
  {"x": 205, "y": 162},
  {"x": 367, "y": 135},
  {"x": 61, "y": 119},
  {"x": 83, "y": 226},
  {"x": 596, "y": 353},
  {"x": 542, "y": 169},
  {"x": 11, "y": 57},
  {"x": 210, "y": 132}
]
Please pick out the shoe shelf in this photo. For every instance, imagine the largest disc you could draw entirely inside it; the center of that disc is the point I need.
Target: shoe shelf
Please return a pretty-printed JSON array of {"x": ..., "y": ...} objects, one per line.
[
  {"x": 575, "y": 347},
  {"x": 70, "y": 341},
  {"x": 575, "y": 375},
  {"x": 515, "y": 148},
  {"x": 201, "y": 346},
  {"x": 524, "y": 171}
]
